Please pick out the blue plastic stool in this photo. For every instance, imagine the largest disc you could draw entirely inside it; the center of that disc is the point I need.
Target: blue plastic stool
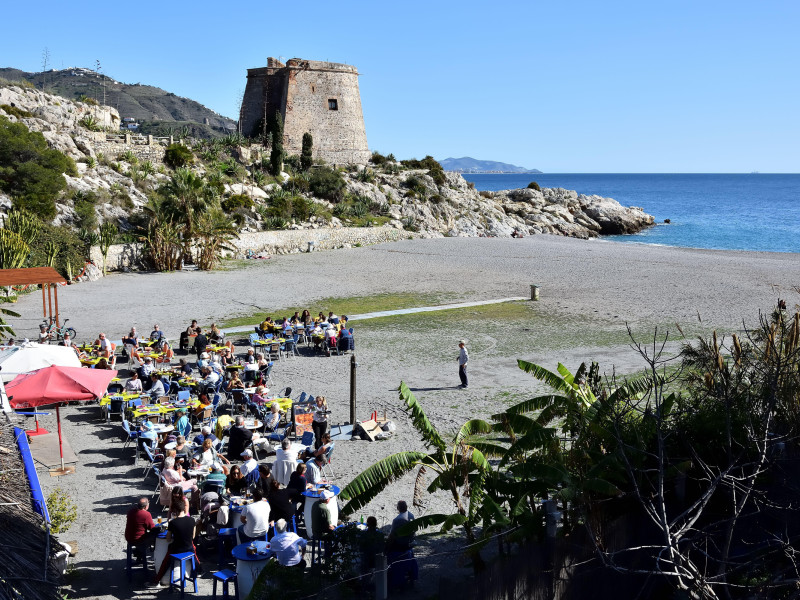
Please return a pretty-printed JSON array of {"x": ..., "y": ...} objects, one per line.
[
  {"x": 183, "y": 557},
  {"x": 226, "y": 576},
  {"x": 129, "y": 560},
  {"x": 226, "y": 533}
]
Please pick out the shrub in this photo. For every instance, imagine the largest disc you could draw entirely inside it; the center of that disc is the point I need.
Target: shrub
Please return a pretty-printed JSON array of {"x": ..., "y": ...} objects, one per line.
[
  {"x": 303, "y": 208},
  {"x": 91, "y": 162},
  {"x": 237, "y": 201},
  {"x": 128, "y": 156},
  {"x": 86, "y": 216},
  {"x": 359, "y": 209},
  {"x": 485, "y": 194},
  {"x": 416, "y": 186},
  {"x": 377, "y": 159},
  {"x": 534, "y": 186},
  {"x": 89, "y": 122},
  {"x": 147, "y": 168},
  {"x": 366, "y": 175},
  {"x": 327, "y": 183},
  {"x": 277, "y": 153},
  {"x": 87, "y": 100},
  {"x": 63, "y": 510},
  {"x": 30, "y": 172},
  {"x": 71, "y": 254},
  {"x": 177, "y": 156},
  {"x": 16, "y": 111},
  {"x": 275, "y": 223},
  {"x": 306, "y": 156}
]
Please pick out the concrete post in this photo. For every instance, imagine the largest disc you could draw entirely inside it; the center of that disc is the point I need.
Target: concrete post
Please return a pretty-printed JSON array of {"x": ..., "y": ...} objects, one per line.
[
  {"x": 150, "y": 140},
  {"x": 127, "y": 139},
  {"x": 381, "y": 580},
  {"x": 535, "y": 292},
  {"x": 353, "y": 389}
]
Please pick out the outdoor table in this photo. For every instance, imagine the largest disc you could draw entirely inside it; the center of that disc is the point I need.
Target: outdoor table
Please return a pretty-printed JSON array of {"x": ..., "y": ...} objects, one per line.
[
  {"x": 313, "y": 496},
  {"x": 261, "y": 342},
  {"x": 248, "y": 566},
  {"x": 199, "y": 473},
  {"x": 163, "y": 428},
  {"x": 217, "y": 348},
  {"x": 147, "y": 411},
  {"x": 253, "y": 423},
  {"x": 187, "y": 382},
  {"x": 93, "y": 361},
  {"x": 87, "y": 347},
  {"x": 234, "y": 367}
]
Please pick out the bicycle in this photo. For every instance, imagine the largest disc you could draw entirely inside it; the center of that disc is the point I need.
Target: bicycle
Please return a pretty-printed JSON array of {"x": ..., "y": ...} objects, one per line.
[{"x": 57, "y": 333}]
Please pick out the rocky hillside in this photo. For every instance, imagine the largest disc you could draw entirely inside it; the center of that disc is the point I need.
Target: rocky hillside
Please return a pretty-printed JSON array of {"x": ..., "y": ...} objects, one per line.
[
  {"x": 157, "y": 108},
  {"x": 429, "y": 201}
]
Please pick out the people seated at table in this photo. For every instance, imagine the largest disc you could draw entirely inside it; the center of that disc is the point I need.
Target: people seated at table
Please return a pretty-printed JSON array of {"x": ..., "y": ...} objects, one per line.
[
  {"x": 260, "y": 395},
  {"x": 238, "y": 438},
  {"x": 235, "y": 482},
  {"x": 345, "y": 342},
  {"x": 395, "y": 542},
  {"x": 280, "y": 500},
  {"x": 134, "y": 384},
  {"x": 266, "y": 325},
  {"x": 167, "y": 353},
  {"x": 261, "y": 362},
  {"x": 325, "y": 444},
  {"x": 157, "y": 337},
  {"x": 102, "y": 364},
  {"x": 157, "y": 389},
  {"x": 234, "y": 383},
  {"x": 208, "y": 384},
  {"x": 317, "y": 336},
  {"x": 249, "y": 361},
  {"x": 145, "y": 371},
  {"x": 216, "y": 336},
  {"x": 249, "y": 465},
  {"x": 140, "y": 530},
  {"x": 200, "y": 344},
  {"x": 178, "y": 503},
  {"x": 287, "y": 546},
  {"x": 295, "y": 319},
  {"x": 183, "y": 452},
  {"x": 254, "y": 518},
  {"x": 226, "y": 358},
  {"x": 332, "y": 318},
  {"x": 182, "y": 424},
  {"x": 203, "y": 361},
  {"x": 184, "y": 368},
  {"x": 298, "y": 482},
  {"x": 265, "y": 478},
  {"x": 330, "y": 339},
  {"x": 174, "y": 476},
  {"x": 285, "y": 462},
  {"x": 322, "y": 522},
  {"x": 207, "y": 457},
  {"x": 132, "y": 339},
  {"x": 306, "y": 318},
  {"x": 186, "y": 335},
  {"x": 314, "y": 471},
  {"x": 273, "y": 417},
  {"x": 67, "y": 341},
  {"x": 216, "y": 478},
  {"x": 104, "y": 347},
  {"x": 147, "y": 434},
  {"x": 205, "y": 433},
  {"x": 180, "y": 537}
]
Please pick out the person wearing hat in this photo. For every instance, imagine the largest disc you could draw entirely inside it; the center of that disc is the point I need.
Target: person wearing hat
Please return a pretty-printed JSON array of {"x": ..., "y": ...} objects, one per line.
[
  {"x": 463, "y": 359},
  {"x": 203, "y": 361},
  {"x": 250, "y": 463},
  {"x": 321, "y": 519}
]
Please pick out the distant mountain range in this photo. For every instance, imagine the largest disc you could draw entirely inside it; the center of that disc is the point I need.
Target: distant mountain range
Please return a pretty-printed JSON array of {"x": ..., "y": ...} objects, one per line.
[
  {"x": 157, "y": 110},
  {"x": 473, "y": 165}
]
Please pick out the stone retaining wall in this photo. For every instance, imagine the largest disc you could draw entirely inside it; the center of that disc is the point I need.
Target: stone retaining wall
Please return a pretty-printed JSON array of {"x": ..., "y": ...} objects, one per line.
[
  {"x": 143, "y": 147},
  {"x": 129, "y": 256}
]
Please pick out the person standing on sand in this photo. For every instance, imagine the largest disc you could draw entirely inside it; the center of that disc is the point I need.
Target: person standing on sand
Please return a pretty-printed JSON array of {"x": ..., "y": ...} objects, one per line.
[{"x": 463, "y": 359}]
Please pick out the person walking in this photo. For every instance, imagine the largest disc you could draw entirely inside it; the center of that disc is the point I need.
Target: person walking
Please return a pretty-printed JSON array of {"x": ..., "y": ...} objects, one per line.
[{"x": 463, "y": 359}]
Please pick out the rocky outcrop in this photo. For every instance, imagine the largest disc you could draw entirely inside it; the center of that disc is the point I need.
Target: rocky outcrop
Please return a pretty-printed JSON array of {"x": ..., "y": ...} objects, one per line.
[
  {"x": 454, "y": 208},
  {"x": 411, "y": 199}
]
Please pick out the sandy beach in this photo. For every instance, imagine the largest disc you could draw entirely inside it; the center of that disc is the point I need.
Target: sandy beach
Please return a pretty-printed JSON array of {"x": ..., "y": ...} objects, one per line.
[{"x": 589, "y": 291}]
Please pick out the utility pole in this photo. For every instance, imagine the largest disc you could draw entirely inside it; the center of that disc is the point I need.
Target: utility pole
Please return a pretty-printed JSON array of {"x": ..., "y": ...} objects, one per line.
[{"x": 353, "y": 366}]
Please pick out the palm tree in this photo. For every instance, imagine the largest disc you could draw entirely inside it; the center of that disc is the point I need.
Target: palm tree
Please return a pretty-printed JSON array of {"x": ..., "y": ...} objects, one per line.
[
  {"x": 215, "y": 231},
  {"x": 186, "y": 196},
  {"x": 460, "y": 470}
]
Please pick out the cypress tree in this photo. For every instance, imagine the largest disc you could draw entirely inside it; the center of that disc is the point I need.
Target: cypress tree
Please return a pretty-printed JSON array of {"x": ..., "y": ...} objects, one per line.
[
  {"x": 276, "y": 155},
  {"x": 306, "y": 159}
]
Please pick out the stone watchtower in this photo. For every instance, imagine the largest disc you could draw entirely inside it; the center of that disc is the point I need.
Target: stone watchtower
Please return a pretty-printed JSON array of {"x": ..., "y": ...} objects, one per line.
[{"x": 321, "y": 98}]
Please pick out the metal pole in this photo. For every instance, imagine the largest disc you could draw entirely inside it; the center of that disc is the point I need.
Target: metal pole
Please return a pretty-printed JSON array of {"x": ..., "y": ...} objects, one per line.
[
  {"x": 60, "y": 446},
  {"x": 44, "y": 302},
  {"x": 50, "y": 302},
  {"x": 381, "y": 586},
  {"x": 55, "y": 292},
  {"x": 353, "y": 389}
]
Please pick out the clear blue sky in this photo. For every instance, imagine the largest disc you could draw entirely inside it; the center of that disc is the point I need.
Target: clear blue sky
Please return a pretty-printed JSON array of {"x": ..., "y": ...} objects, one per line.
[{"x": 679, "y": 86}]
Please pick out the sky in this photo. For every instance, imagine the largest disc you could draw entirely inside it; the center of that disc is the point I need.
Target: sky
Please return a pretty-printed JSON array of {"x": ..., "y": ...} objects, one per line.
[{"x": 568, "y": 86}]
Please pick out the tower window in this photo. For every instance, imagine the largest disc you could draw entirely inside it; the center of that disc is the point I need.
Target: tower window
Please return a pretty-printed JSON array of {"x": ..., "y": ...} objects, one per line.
[{"x": 333, "y": 104}]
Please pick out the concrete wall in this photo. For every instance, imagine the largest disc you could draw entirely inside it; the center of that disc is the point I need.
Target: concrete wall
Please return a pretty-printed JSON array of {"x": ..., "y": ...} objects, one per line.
[
  {"x": 129, "y": 256},
  {"x": 143, "y": 147}
]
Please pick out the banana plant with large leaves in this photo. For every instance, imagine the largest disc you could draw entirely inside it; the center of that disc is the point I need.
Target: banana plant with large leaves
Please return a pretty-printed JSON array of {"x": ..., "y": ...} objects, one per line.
[{"x": 458, "y": 467}]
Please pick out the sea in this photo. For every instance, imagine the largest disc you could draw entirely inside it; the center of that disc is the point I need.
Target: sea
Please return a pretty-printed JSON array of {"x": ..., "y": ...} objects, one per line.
[{"x": 753, "y": 211}]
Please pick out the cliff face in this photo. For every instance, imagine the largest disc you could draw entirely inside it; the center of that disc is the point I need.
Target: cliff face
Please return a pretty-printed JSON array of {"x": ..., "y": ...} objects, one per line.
[{"x": 456, "y": 209}]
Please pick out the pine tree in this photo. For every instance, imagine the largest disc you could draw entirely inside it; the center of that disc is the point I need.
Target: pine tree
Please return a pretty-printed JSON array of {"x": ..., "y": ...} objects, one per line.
[{"x": 306, "y": 159}]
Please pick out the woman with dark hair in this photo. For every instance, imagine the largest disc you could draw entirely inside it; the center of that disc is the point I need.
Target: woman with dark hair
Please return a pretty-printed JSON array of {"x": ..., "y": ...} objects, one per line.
[
  {"x": 235, "y": 482},
  {"x": 306, "y": 318},
  {"x": 280, "y": 501},
  {"x": 178, "y": 502},
  {"x": 298, "y": 482}
]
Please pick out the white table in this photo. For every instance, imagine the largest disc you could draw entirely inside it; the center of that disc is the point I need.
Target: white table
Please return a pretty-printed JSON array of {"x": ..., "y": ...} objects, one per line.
[
  {"x": 159, "y": 553},
  {"x": 248, "y": 567}
]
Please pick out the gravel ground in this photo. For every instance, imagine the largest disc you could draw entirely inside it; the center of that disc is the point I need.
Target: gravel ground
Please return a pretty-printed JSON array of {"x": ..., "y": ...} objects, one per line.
[{"x": 590, "y": 289}]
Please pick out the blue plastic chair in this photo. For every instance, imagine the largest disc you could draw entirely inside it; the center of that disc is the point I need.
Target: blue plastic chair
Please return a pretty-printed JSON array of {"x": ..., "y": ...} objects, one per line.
[
  {"x": 183, "y": 395},
  {"x": 129, "y": 559},
  {"x": 225, "y": 534},
  {"x": 130, "y": 435}
]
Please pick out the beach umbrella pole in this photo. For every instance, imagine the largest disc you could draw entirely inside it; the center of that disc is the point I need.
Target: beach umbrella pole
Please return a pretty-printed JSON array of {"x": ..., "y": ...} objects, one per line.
[{"x": 60, "y": 445}]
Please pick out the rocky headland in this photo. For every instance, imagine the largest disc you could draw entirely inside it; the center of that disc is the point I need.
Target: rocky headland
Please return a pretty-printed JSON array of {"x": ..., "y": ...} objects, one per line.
[{"x": 430, "y": 204}]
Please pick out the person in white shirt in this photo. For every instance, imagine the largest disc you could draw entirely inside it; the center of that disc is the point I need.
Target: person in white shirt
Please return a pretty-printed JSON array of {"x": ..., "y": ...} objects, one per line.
[
  {"x": 314, "y": 472},
  {"x": 250, "y": 463},
  {"x": 287, "y": 546},
  {"x": 134, "y": 384},
  {"x": 285, "y": 462},
  {"x": 255, "y": 518},
  {"x": 157, "y": 389},
  {"x": 463, "y": 359}
]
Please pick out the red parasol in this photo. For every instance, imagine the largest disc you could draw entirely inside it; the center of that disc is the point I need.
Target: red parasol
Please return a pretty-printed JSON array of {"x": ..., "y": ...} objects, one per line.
[{"x": 54, "y": 385}]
